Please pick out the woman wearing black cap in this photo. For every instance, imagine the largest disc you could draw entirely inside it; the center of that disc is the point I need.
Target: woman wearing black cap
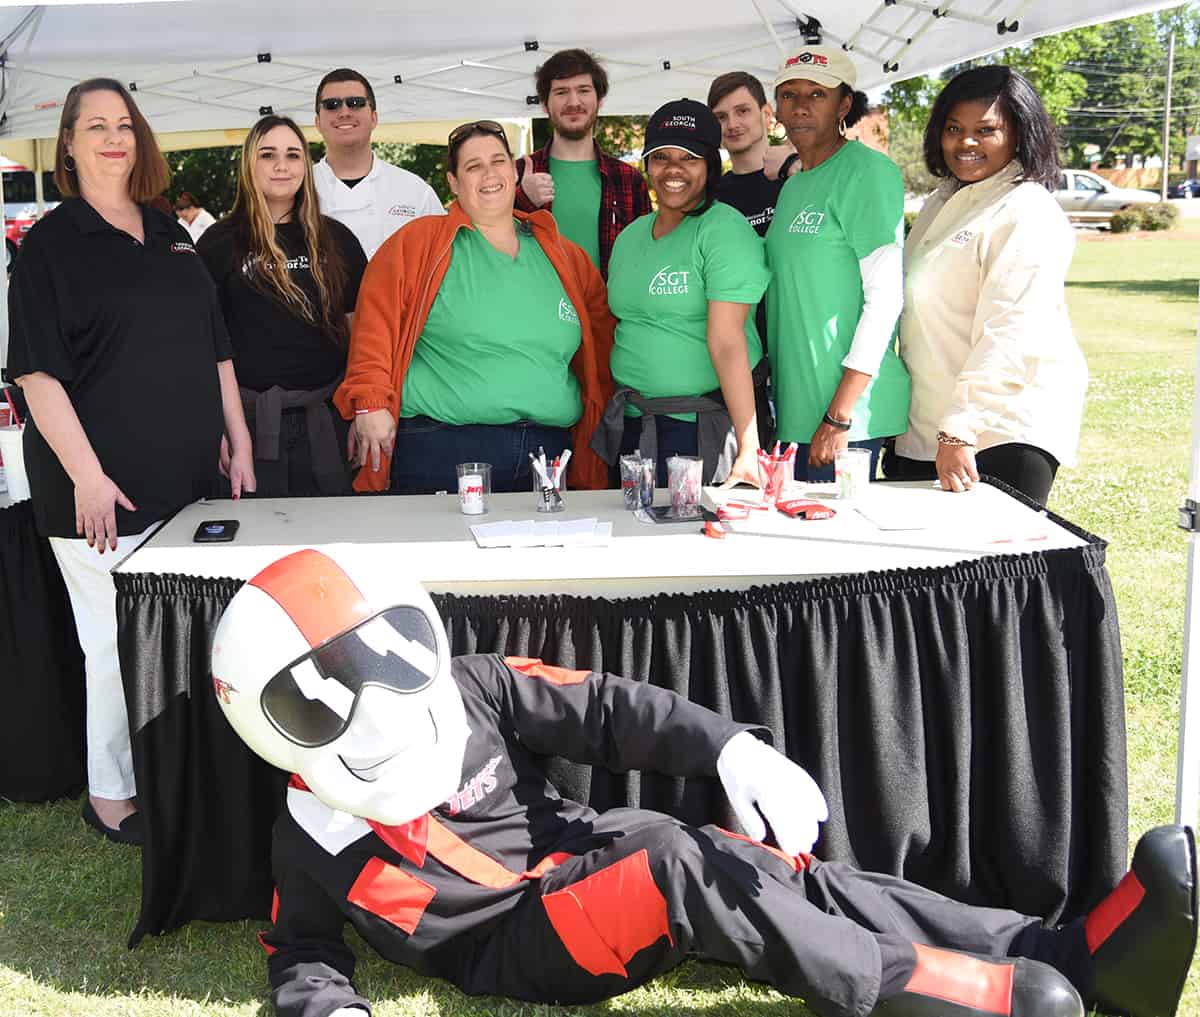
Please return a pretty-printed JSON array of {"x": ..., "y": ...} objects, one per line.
[{"x": 687, "y": 357}]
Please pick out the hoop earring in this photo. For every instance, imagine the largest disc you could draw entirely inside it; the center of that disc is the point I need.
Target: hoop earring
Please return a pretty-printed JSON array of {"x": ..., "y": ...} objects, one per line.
[
  {"x": 69, "y": 163},
  {"x": 842, "y": 127}
]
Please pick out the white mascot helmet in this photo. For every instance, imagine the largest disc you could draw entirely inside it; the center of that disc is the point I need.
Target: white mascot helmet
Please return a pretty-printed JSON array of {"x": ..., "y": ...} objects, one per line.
[{"x": 340, "y": 673}]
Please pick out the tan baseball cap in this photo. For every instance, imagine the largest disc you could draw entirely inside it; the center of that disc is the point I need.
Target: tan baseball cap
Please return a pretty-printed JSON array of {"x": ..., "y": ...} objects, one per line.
[{"x": 826, "y": 65}]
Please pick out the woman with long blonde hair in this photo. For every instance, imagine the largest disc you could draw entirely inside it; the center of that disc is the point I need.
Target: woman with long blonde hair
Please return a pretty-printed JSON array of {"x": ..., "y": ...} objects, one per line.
[{"x": 288, "y": 278}]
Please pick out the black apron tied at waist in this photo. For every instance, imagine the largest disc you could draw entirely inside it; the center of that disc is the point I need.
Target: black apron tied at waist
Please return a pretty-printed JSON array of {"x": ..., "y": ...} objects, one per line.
[{"x": 264, "y": 411}]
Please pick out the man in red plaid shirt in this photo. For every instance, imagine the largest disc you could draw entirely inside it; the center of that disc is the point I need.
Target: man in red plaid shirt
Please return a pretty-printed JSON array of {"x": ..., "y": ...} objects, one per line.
[{"x": 592, "y": 195}]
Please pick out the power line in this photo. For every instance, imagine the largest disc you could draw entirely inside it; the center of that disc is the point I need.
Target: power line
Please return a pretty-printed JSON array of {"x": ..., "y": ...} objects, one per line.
[{"x": 1152, "y": 111}]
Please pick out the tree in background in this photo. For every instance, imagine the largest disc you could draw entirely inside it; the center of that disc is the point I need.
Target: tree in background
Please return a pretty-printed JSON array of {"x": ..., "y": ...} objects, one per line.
[
  {"x": 209, "y": 173},
  {"x": 908, "y": 104},
  {"x": 1104, "y": 85},
  {"x": 1124, "y": 63}
]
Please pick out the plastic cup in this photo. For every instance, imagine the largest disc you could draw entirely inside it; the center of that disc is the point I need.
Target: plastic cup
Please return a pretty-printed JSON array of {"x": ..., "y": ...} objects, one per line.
[
  {"x": 474, "y": 487},
  {"x": 12, "y": 457},
  {"x": 546, "y": 502},
  {"x": 775, "y": 473},
  {"x": 684, "y": 476},
  {"x": 852, "y": 470},
  {"x": 637, "y": 482}
]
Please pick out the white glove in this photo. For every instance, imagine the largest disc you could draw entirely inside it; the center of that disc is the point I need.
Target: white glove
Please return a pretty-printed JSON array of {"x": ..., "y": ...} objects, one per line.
[
  {"x": 349, "y": 1011},
  {"x": 754, "y": 774}
]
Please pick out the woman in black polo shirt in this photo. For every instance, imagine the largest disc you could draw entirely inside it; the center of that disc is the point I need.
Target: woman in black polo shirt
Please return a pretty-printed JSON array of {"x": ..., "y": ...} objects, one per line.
[
  {"x": 117, "y": 340},
  {"x": 287, "y": 278}
]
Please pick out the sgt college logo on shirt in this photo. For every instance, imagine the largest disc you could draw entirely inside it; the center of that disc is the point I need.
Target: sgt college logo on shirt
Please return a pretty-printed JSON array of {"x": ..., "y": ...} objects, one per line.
[
  {"x": 808, "y": 221},
  {"x": 668, "y": 281},
  {"x": 566, "y": 312}
]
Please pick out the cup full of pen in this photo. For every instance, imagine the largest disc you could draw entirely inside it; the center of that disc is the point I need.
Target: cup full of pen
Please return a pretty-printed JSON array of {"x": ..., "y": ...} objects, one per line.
[
  {"x": 549, "y": 479},
  {"x": 776, "y": 470}
]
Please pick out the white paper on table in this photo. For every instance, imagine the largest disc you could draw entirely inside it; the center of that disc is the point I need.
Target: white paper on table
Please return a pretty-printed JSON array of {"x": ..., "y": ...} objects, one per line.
[
  {"x": 991, "y": 519},
  {"x": 543, "y": 533},
  {"x": 893, "y": 514}
]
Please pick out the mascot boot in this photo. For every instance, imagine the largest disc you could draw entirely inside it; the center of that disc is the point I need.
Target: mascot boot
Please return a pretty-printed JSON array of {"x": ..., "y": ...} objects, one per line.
[
  {"x": 1141, "y": 937},
  {"x": 946, "y": 983}
]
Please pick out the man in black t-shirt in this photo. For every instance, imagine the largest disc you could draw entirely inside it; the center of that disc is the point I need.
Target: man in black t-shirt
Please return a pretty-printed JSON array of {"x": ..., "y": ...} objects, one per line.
[{"x": 740, "y": 105}]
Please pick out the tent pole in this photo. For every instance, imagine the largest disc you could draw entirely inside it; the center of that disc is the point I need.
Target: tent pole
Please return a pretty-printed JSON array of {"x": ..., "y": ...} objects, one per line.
[
  {"x": 3, "y": 285},
  {"x": 39, "y": 186},
  {"x": 1187, "y": 772},
  {"x": 1166, "y": 156}
]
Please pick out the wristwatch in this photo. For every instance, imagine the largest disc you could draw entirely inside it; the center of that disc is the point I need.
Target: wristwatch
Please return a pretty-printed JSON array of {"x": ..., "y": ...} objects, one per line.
[{"x": 837, "y": 425}]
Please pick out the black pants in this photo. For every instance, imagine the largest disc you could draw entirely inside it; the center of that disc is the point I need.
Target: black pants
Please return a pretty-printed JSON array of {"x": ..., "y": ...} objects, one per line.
[
  {"x": 660, "y": 891},
  {"x": 1027, "y": 468}
]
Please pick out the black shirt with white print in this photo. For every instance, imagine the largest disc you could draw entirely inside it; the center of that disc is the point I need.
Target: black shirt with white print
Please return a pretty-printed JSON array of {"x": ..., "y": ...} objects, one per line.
[
  {"x": 133, "y": 332},
  {"x": 753, "y": 195},
  {"x": 272, "y": 345}
]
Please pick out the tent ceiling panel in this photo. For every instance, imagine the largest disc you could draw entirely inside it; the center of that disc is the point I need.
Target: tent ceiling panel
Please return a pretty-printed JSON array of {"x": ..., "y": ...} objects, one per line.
[{"x": 196, "y": 63}]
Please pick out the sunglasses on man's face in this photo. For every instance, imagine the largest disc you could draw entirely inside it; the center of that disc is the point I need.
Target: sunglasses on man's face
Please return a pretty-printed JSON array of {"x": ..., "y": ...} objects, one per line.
[
  {"x": 352, "y": 102},
  {"x": 463, "y": 131}
]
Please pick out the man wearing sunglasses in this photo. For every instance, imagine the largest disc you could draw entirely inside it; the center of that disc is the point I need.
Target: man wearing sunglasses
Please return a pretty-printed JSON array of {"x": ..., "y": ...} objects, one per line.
[
  {"x": 592, "y": 195},
  {"x": 369, "y": 196}
]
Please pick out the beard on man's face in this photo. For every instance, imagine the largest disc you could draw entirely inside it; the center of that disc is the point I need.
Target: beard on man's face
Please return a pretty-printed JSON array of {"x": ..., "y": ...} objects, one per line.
[{"x": 572, "y": 133}]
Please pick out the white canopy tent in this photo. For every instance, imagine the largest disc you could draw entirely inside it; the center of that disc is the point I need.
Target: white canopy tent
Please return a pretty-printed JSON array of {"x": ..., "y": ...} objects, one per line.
[
  {"x": 217, "y": 65},
  {"x": 213, "y": 64}
]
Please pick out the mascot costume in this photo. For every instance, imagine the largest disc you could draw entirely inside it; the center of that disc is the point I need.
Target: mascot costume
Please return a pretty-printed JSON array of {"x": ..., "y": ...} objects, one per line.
[{"x": 419, "y": 812}]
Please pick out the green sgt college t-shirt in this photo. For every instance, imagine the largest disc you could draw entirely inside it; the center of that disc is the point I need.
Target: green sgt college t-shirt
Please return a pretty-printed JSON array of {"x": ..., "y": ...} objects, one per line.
[
  {"x": 660, "y": 289},
  {"x": 826, "y": 220},
  {"x": 577, "y": 203},
  {"x": 498, "y": 342}
]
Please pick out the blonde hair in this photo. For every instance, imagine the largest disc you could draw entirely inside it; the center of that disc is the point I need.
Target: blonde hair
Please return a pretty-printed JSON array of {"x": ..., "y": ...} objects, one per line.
[
  {"x": 256, "y": 247},
  {"x": 150, "y": 174}
]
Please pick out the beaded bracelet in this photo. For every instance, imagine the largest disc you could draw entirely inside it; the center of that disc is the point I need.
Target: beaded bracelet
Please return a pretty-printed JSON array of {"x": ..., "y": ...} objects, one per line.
[{"x": 949, "y": 439}]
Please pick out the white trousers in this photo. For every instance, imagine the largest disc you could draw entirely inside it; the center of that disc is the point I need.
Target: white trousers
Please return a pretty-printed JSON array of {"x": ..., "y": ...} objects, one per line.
[{"x": 94, "y": 602}]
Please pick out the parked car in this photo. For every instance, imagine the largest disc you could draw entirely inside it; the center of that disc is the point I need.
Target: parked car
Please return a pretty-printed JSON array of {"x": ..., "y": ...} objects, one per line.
[
  {"x": 20, "y": 205},
  {"x": 1184, "y": 189},
  {"x": 18, "y": 220},
  {"x": 1086, "y": 197}
]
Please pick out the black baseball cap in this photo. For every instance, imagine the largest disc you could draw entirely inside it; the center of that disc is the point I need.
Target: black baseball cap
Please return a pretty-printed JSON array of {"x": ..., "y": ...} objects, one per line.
[{"x": 685, "y": 124}]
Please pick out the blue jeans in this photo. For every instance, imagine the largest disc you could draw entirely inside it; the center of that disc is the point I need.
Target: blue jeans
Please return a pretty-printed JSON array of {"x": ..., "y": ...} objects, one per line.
[
  {"x": 675, "y": 438},
  {"x": 427, "y": 452},
  {"x": 816, "y": 474}
]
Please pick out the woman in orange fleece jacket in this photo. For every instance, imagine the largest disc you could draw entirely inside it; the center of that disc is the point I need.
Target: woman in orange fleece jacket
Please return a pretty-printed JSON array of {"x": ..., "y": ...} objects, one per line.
[{"x": 478, "y": 336}]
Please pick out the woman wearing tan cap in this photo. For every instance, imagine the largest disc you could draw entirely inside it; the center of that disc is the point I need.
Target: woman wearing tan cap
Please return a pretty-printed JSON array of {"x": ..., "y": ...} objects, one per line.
[{"x": 834, "y": 248}]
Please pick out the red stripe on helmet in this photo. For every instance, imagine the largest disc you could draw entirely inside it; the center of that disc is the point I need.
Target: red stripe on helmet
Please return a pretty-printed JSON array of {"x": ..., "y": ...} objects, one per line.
[{"x": 315, "y": 593}]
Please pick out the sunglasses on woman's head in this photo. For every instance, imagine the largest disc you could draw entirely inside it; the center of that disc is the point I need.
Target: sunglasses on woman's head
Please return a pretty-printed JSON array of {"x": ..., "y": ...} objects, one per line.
[
  {"x": 488, "y": 126},
  {"x": 352, "y": 102}
]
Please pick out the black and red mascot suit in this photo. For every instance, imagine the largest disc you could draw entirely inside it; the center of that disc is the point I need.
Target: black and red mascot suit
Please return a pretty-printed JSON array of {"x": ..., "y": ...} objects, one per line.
[{"x": 420, "y": 813}]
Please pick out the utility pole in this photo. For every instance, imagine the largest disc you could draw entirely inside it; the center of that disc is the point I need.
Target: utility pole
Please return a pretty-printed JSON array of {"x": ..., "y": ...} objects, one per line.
[{"x": 1166, "y": 155}]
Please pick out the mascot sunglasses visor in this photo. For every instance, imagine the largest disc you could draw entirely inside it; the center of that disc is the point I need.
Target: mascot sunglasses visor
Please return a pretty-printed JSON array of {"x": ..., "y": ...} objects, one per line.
[{"x": 312, "y": 700}]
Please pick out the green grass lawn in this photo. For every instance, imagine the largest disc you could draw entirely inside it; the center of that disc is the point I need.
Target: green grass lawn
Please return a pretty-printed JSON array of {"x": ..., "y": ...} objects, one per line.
[{"x": 68, "y": 900}]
